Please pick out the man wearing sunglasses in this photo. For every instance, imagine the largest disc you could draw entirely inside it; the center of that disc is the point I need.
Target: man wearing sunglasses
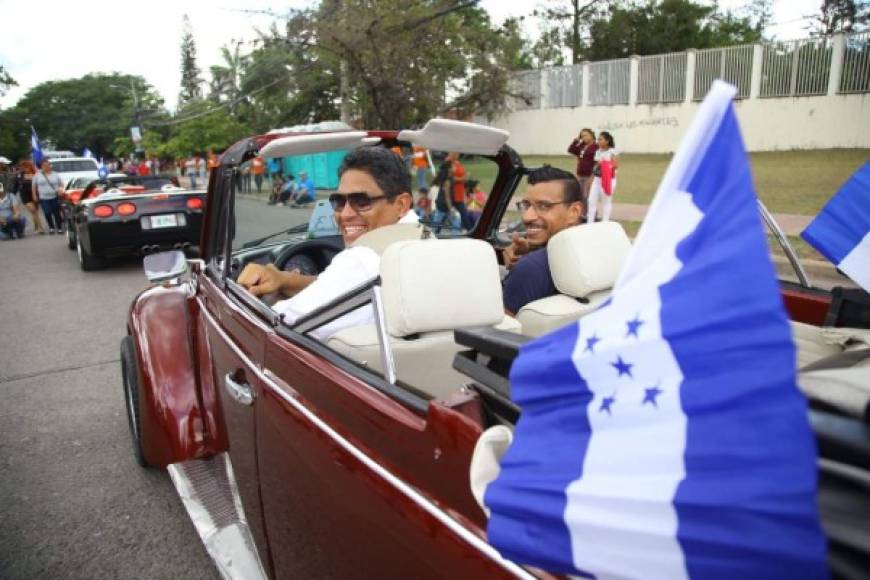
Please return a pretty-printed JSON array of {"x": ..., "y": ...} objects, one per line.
[
  {"x": 553, "y": 201},
  {"x": 373, "y": 191}
]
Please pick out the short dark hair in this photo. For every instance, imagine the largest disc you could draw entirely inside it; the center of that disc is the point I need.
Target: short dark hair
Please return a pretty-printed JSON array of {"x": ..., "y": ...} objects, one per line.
[
  {"x": 570, "y": 185},
  {"x": 386, "y": 168}
]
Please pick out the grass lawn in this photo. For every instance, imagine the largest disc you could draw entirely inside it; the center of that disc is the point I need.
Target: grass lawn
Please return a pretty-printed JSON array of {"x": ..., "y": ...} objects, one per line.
[
  {"x": 803, "y": 249},
  {"x": 797, "y": 182}
]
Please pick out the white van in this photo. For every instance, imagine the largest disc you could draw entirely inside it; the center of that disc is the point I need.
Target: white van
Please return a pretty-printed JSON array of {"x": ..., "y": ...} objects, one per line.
[{"x": 69, "y": 168}]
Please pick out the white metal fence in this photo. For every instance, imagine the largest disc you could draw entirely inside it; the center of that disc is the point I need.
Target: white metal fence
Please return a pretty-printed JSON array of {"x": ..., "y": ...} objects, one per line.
[
  {"x": 564, "y": 86},
  {"x": 797, "y": 68},
  {"x": 778, "y": 69},
  {"x": 609, "y": 82},
  {"x": 526, "y": 90},
  {"x": 732, "y": 64},
  {"x": 856, "y": 64},
  {"x": 662, "y": 78}
]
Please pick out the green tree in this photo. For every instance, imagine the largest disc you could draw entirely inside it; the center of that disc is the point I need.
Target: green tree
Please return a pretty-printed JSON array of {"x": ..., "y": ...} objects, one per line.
[
  {"x": 841, "y": 16},
  {"x": 226, "y": 78},
  {"x": 190, "y": 74},
  {"x": 660, "y": 26},
  {"x": 564, "y": 24},
  {"x": 198, "y": 127},
  {"x": 405, "y": 61},
  {"x": 87, "y": 112}
]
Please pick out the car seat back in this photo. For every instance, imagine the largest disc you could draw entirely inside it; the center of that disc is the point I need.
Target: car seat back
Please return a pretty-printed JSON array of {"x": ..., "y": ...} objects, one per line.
[{"x": 585, "y": 262}]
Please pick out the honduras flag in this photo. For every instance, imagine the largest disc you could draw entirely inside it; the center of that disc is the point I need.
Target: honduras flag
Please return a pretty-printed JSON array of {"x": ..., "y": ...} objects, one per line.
[
  {"x": 841, "y": 231},
  {"x": 87, "y": 153},
  {"x": 662, "y": 436},
  {"x": 35, "y": 148}
]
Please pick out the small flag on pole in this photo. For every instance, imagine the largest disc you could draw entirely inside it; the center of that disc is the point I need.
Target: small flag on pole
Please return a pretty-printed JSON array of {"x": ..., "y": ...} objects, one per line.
[
  {"x": 35, "y": 148},
  {"x": 87, "y": 153},
  {"x": 663, "y": 436},
  {"x": 841, "y": 231}
]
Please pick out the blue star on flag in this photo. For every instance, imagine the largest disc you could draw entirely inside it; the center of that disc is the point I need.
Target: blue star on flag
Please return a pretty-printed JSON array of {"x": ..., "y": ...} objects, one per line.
[
  {"x": 606, "y": 403},
  {"x": 591, "y": 342},
  {"x": 633, "y": 327},
  {"x": 623, "y": 367},
  {"x": 650, "y": 396}
]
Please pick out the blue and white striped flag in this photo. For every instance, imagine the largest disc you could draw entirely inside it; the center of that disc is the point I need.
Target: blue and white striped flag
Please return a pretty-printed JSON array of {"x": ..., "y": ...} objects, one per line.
[
  {"x": 663, "y": 436},
  {"x": 87, "y": 153},
  {"x": 35, "y": 148},
  {"x": 841, "y": 231}
]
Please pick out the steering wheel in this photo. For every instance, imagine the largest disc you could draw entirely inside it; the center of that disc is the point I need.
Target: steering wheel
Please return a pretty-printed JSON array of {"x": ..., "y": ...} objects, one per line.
[{"x": 301, "y": 263}]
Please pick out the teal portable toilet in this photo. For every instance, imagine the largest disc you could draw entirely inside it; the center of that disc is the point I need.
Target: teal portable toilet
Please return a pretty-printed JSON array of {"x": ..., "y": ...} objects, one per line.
[{"x": 322, "y": 168}]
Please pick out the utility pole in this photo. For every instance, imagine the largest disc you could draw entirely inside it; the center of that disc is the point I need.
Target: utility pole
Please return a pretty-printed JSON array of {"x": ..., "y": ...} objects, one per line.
[{"x": 136, "y": 130}]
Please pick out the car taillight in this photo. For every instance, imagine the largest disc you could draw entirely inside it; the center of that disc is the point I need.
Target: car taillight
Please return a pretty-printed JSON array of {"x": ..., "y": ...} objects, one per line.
[
  {"x": 194, "y": 203},
  {"x": 126, "y": 208},
  {"x": 103, "y": 211}
]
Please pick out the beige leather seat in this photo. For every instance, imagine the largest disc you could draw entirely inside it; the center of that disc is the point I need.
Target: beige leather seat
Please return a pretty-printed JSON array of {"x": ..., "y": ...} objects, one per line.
[
  {"x": 430, "y": 288},
  {"x": 585, "y": 262}
]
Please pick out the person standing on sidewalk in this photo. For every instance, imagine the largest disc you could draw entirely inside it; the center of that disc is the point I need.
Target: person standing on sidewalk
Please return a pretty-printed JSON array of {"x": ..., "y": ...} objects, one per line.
[
  {"x": 47, "y": 186},
  {"x": 604, "y": 177},
  {"x": 584, "y": 148},
  {"x": 24, "y": 189},
  {"x": 258, "y": 169}
]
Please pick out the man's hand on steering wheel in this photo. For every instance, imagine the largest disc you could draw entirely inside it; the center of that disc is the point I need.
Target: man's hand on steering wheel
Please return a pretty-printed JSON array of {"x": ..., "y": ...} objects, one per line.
[{"x": 262, "y": 280}]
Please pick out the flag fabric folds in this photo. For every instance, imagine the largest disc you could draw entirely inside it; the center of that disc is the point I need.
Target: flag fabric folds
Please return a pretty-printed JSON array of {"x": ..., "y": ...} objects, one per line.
[
  {"x": 87, "y": 153},
  {"x": 841, "y": 231},
  {"x": 35, "y": 148},
  {"x": 663, "y": 436}
]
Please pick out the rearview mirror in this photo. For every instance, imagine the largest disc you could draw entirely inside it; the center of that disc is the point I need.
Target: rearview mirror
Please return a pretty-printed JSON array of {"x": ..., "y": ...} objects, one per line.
[{"x": 165, "y": 266}]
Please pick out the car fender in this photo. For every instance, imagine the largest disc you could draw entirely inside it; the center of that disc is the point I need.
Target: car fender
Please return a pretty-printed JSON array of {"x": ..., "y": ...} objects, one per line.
[{"x": 174, "y": 422}]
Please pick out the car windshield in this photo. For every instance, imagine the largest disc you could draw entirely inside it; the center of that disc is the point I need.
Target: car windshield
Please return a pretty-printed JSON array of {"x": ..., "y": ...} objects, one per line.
[
  {"x": 68, "y": 166},
  {"x": 274, "y": 199}
]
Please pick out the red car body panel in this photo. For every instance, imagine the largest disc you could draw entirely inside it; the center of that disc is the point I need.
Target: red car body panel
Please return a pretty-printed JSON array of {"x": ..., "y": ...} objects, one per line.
[{"x": 169, "y": 394}]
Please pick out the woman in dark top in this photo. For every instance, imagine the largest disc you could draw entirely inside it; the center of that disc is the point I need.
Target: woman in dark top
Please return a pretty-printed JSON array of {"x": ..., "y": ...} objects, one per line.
[
  {"x": 584, "y": 148},
  {"x": 24, "y": 189}
]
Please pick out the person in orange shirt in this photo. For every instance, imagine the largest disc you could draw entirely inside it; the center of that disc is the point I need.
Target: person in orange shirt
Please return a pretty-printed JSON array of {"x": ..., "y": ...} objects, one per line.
[
  {"x": 421, "y": 165},
  {"x": 457, "y": 187},
  {"x": 258, "y": 168}
]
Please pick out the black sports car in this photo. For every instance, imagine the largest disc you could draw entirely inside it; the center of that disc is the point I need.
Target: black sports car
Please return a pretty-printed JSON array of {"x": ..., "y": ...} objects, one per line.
[{"x": 133, "y": 217}]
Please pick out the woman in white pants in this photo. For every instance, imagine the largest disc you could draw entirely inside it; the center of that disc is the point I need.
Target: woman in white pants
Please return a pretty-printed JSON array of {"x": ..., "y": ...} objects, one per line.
[{"x": 606, "y": 152}]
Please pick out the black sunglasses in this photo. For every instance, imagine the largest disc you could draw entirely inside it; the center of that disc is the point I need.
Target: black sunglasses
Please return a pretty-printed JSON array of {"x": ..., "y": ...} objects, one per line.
[{"x": 359, "y": 201}]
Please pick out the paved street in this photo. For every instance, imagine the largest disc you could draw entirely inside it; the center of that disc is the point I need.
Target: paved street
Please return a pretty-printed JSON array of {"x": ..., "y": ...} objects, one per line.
[{"x": 73, "y": 503}]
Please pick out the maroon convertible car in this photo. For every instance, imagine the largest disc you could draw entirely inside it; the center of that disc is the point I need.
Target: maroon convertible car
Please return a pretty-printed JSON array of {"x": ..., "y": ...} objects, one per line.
[{"x": 299, "y": 456}]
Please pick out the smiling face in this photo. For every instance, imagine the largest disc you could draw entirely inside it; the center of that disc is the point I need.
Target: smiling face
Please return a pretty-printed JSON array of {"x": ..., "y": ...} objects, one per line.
[
  {"x": 603, "y": 143},
  {"x": 383, "y": 212},
  {"x": 541, "y": 226}
]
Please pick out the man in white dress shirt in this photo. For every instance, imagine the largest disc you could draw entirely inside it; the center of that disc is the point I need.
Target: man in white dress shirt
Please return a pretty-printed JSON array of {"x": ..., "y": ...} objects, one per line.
[{"x": 373, "y": 191}]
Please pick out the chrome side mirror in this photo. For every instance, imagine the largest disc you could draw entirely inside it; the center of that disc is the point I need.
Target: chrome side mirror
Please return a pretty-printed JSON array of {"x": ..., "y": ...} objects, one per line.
[{"x": 165, "y": 266}]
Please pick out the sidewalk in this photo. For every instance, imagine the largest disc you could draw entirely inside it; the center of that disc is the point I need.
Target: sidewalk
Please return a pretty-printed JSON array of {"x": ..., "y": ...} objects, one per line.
[{"x": 791, "y": 224}]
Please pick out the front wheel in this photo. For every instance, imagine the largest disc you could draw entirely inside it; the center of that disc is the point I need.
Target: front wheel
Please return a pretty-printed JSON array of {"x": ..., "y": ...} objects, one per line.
[
  {"x": 130, "y": 378},
  {"x": 87, "y": 261}
]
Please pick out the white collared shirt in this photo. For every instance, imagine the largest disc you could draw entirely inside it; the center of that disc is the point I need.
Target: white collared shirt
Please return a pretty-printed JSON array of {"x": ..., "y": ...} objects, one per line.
[{"x": 350, "y": 268}]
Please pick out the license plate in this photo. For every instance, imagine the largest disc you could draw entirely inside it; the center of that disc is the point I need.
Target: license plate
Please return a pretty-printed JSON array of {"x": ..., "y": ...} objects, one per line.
[{"x": 164, "y": 221}]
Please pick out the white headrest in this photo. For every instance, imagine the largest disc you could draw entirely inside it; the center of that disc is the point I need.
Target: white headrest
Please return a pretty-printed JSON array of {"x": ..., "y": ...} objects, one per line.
[
  {"x": 431, "y": 285},
  {"x": 587, "y": 258}
]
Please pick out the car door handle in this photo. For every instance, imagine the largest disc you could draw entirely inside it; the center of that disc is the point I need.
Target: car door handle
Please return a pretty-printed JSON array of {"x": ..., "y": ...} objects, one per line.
[{"x": 240, "y": 392}]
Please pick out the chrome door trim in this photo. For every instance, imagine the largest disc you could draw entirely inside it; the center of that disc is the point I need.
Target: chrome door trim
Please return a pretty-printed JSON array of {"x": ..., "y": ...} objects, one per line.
[{"x": 406, "y": 489}]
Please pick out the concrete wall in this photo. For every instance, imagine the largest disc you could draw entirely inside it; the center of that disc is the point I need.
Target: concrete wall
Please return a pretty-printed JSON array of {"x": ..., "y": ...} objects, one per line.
[{"x": 768, "y": 124}]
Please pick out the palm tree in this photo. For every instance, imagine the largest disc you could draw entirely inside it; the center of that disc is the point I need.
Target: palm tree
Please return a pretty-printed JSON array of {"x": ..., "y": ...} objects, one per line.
[{"x": 225, "y": 85}]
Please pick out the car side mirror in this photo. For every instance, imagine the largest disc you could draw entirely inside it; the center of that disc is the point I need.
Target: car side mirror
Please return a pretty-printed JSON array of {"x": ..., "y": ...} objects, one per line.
[{"x": 165, "y": 266}]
